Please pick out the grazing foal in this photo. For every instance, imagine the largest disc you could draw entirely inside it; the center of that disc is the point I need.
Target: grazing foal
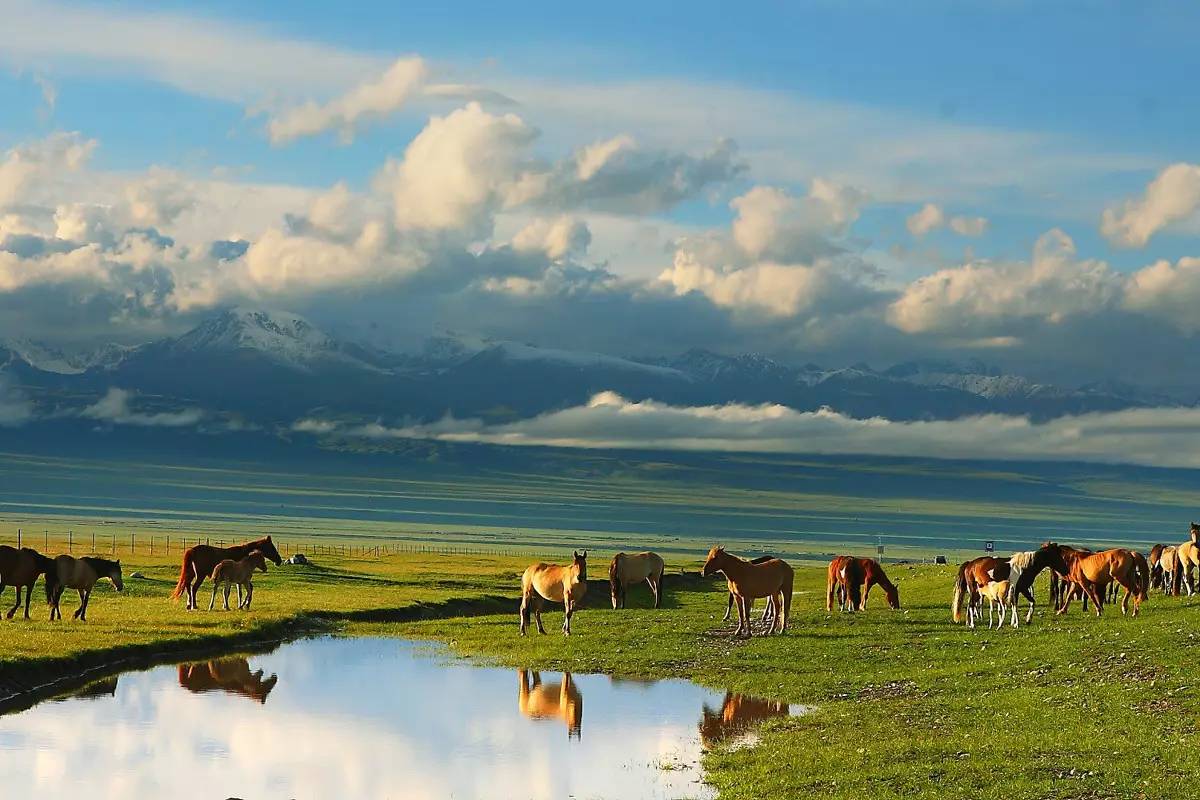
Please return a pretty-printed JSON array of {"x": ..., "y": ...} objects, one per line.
[{"x": 238, "y": 573}]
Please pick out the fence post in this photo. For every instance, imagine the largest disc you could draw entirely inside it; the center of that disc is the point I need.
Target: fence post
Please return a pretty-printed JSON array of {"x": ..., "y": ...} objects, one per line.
[
  {"x": 93, "y": 541},
  {"x": 18, "y": 538},
  {"x": 70, "y": 541},
  {"x": 47, "y": 534},
  {"x": 131, "y": 543}
]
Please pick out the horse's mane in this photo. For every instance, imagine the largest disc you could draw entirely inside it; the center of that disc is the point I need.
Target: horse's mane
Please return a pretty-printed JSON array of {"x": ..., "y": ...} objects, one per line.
[
  {"x": 1022, "y": 560},
  {"x": 102, "y": 565}
]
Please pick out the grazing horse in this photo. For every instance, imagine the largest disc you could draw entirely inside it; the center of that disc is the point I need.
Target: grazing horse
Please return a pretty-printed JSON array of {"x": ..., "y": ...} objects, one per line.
[
  {"x": 768, "y": 612},
  {"x": 627, "y": 569},
  {"x": 199, "y": 560},
  {"x": 997, "y": 594},
  {"x": 1095, "y": 571},
  {"x": 854, "y": 578},
  {"x": 562, "y": 701},
  {"x": 844, "y": 577},
  {"x": 230, "y": 675},
  {"x": 21, "y": 569},
  {"x": 81, "y": 574},
  {"x": 558, "y": 584},
  {"x": 237, "y": 573},
  {"x": 748, "y": 581}
]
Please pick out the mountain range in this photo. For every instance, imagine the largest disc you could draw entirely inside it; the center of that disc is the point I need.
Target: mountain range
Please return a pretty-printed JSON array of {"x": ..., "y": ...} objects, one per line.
[{"x": 274, "y": 367}]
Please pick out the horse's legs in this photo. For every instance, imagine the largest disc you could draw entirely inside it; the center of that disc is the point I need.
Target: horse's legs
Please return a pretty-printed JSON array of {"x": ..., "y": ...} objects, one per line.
[
  {"x": 566, "y": 614},
  {"x": 28, "y": 597},
  {"x": 225, "y": 598},
  {"x": 728, "y": 608},
  {"x": 744, "y": 606},
  {"x": 1032, "y": 602},
  {"x": 538, "y": 603},
  {"x": 213, "y": 600},
  {"x": 249, "y": 595},
  {"x": 239, "y": 591},
  {"x": 1097, "y": 597},
  {"x": 866, "y": 591},
  {"x": 13, "y": 610}
]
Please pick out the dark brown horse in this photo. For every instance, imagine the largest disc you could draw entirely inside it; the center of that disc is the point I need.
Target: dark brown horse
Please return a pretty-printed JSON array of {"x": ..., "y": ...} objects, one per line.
[
  {"x": 198, "y": 563},
  {"x": 20, "y": 569}
]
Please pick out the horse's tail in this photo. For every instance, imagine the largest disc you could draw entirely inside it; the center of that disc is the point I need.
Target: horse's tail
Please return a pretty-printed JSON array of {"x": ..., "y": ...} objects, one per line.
[
  {"x": 1142, "y": 570},
  {"x": 830, "y": 584},
  {"x": 960, "y": 589},
  {"x": 51, "y": 581},
  {"x": 183, "y": 577}
]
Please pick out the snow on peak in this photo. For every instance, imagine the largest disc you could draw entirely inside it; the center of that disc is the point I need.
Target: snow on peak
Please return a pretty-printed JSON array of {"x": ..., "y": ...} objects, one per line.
[
  {"x": 286, "y": 337},
  {"x": 66, "y": 361}
]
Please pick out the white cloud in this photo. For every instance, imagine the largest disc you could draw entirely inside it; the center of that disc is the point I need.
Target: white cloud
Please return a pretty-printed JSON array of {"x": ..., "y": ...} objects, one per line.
[
  {"x": 38, "y": 162},
  {"x": 557, "y": 237},
  {"x": 159, "y": 197},
  {"x": 1168, "y": 291},
  {"x": 370, "y": 100},
  {"x": 1173, "y": 195},
  {"x": 931, "y": 217},
  {"x": 115, "y": 407},
  {"x": 1149, "y": 436},
  {"x": 15, "y": 408},
  {"x": 977, "y": 297},
  {"x": 772, "y": 224}
]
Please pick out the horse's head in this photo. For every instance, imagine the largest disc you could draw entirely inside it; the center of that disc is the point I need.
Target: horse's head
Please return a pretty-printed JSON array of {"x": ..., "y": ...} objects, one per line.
[
  {"x": 893, "y": 596},
  {"x": 114, "y": 575},
  {"x": 579, "y": 562},
  {"x": 258, "y": 560},
  {"x": 614, "y": 579},
  {"x": 268, "y": 549},
  {"x": 713, "y": 562}
]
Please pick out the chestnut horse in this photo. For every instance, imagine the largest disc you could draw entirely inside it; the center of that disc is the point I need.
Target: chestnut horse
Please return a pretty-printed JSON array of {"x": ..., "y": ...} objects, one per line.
[
  {"x": 1095, "y": 571},
  {"x": 558, "y": 584},
  {"x": 748, "y": 581},
  {"x": 230, "y": 675},
  {"x": 199, "y": 560},
  {"x": 626, "y": 569},
  {"x": 1156, "y": 576},
  {"x": 853, "y": 578},
  {"x": 20, "y": 569}
]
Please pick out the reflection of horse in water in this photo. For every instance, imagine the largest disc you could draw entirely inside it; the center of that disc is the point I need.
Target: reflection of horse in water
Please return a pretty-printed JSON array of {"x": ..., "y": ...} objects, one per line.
[
  {"x": 230, "y": 675},
  {"x": 539, "y": 700},
  {"x": 738, "y": 714}
]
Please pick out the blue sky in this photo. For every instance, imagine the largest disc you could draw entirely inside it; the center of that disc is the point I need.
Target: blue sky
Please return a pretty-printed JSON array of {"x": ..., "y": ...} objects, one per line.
[{"x": 1014, "y": 121}]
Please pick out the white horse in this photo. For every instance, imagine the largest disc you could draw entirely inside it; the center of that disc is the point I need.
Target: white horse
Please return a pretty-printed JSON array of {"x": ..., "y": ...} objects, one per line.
[
  {"x": 1017, "y": 565},
  {"x": 996, "y": 593}
]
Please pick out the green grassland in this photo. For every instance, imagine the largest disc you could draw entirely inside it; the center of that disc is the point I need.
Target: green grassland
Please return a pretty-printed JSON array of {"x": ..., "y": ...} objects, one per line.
[{"x": 906, "y": 704}]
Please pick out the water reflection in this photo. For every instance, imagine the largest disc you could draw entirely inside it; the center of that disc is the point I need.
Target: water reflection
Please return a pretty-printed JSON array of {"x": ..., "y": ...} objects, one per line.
[
  {"x": 370, "y": 718},
  {"x": 559, "y": 701},
  {"x": 739, "y": 713},
  {"x": 231, "y": 675},
  {"x": 105, "y": 687}
]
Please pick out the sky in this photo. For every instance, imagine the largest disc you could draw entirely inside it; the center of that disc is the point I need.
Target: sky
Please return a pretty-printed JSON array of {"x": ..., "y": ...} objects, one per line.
[{"x": 828, "y": 182}]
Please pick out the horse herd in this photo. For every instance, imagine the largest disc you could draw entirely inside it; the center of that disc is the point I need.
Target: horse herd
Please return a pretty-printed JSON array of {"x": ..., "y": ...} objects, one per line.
[{"x": 228, "y": 567}]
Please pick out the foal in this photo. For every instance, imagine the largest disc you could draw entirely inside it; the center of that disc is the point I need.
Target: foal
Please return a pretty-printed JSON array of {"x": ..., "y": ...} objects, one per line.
[
  {"x": 237, "y": 573},
  {"x": 996, "y": 593}
]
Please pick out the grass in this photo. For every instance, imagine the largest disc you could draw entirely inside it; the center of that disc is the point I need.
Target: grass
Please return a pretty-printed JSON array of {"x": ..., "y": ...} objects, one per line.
[{"x": 907, "y": 704}]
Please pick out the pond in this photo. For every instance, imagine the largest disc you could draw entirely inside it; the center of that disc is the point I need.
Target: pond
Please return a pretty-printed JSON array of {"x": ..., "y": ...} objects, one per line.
[{"x": 370, "y": 718}]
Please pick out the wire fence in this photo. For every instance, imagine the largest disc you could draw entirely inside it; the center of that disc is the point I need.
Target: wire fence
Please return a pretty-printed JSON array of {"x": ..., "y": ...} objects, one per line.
[{"x": 113, "y": 544}]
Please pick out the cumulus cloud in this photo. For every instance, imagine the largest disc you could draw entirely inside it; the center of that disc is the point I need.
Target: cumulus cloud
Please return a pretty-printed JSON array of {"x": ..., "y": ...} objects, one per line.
[
  {"x": 557, "y": 237},
  {"x": 1168, "y": 291},
  {"x": 982, "y": 296},
  {"x": 367, "y": 101},
  {"x": 772, "y": 224},
  {"x": 1173, "y": 195},
  {"x": 1149, "y": 436},
  {"x": 931, "y": 217},
  {"x": 116, "y": 408},
  {"x": 36, "y": 162}
]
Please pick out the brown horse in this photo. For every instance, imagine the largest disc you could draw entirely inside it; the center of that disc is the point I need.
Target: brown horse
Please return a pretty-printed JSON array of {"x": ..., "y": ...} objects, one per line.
[
  {"x": 1189, "y": 558},
  {"x": 558, "y": 584},
  {"x": 238, "y": 573},
  {"x": 20, "y": 569},
  {"x": 230, "y": 675},
  {"x": 199, "y": 560},
  {"x": 1171, "y": 568},
  {"x": 748, "y": 581},
  {"x": 768, "y": 612},
  {"x": 1095, "y": 571},
  {"x": 1156, "y": 575},
  {"x": 853, "y": 579},
  {"x": 562, "y": 701},
  {"x": 81, "y": 574},
  {"x": 635, "y": 568}
]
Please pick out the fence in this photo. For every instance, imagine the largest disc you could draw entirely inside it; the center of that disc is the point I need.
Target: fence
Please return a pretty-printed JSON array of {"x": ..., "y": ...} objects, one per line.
[{"x": 122, "y": 544}]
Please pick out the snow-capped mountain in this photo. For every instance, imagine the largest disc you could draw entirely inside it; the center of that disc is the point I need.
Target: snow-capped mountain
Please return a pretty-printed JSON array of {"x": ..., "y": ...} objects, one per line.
[
  {"x": 64, "y": 361},
  {"x": 284, "y": 337},
  {"x": 974, "y": 377}
]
